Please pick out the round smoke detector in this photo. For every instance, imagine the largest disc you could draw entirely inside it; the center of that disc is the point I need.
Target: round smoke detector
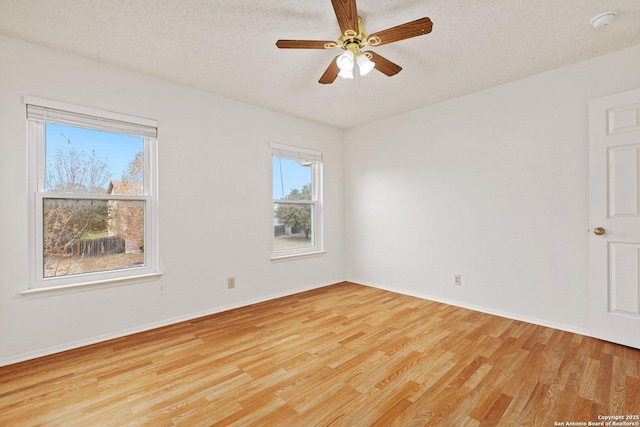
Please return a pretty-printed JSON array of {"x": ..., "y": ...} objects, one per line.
[{"x": 603, "y": 19}]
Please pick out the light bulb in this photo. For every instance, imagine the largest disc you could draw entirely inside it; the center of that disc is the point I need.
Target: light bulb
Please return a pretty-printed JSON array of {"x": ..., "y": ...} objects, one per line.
[{"x": 365, "y": 65}]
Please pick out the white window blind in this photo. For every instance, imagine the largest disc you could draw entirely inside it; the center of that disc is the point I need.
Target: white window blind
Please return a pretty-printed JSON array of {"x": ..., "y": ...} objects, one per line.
[
  {"x": 51, "y": 115},
  {"x": 278, "y": 150}
]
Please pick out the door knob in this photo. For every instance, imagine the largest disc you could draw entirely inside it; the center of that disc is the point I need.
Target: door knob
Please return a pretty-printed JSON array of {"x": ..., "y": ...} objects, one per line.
[{"x": 598, "y": 231}]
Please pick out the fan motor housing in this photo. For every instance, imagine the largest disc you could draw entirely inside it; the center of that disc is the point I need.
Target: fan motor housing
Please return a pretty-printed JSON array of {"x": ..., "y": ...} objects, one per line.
[{"x": 353, "y": 41}]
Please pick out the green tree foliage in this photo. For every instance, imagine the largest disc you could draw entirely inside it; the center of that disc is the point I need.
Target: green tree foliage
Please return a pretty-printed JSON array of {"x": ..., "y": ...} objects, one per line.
[{"x": 298, "y": 215}]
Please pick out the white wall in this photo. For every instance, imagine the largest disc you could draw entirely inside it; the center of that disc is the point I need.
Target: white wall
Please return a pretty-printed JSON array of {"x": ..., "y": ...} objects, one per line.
[
  {"x": 491, "y": 186},
  {"x": 215, "y": 203}
]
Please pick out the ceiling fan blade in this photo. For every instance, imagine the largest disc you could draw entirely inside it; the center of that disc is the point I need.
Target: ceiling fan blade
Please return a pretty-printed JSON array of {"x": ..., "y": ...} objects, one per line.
[
  {"x": 347, "y": 14},
  {"x": 331, "y": 73},
  {"x": 305, "y": 44},
  {"x": 415, "y": 28},
  {"x": 383, "y": 65}
]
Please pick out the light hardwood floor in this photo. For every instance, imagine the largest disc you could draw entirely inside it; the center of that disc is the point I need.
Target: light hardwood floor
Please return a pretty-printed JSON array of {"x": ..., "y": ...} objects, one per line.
[{"x": 344, "y": 355}]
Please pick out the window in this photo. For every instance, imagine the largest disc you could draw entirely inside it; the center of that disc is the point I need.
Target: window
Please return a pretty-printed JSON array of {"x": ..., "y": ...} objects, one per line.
[
  {"x": 93, "y": 185},
  {"x": 297, "y": 201}
]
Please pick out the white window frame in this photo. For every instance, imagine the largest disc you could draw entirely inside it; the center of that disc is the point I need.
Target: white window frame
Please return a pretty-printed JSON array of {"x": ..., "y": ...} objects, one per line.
[
  {"x": 297, "y": 153},
  {"x": 41, "y": 111}
]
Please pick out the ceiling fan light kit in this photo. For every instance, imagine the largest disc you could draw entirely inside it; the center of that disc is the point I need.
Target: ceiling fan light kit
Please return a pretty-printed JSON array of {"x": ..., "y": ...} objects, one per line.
[{"x": 354, "y": 38}]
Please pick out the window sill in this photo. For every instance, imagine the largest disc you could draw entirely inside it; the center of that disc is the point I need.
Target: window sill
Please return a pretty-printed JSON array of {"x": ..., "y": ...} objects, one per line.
[
  {"x": 97, "y": 284},
  {"x": 291, "y": 257}
]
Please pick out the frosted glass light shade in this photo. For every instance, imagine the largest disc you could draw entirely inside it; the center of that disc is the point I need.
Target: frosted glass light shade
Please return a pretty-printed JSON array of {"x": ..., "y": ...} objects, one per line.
[
  {"x": 345, "y": 61},
  {"x": 365, "y": 65},
  {"x": 346, "y": 74}
]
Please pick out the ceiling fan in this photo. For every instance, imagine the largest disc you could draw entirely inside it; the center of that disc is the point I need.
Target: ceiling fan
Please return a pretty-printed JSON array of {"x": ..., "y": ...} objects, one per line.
[{"x": 354, "y": 38}]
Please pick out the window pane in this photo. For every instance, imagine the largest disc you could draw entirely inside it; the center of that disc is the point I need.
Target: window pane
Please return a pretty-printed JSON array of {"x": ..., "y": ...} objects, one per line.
[
  {"x": 84, "y": 236},
  {"x": 293, "y": 226},
  {"x": 291, "y": 179},
  {"x": 82, "y": 160}
]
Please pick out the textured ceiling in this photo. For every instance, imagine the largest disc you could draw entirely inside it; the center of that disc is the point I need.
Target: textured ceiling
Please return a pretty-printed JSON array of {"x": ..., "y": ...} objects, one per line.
[{"x": 227, "y": 47}]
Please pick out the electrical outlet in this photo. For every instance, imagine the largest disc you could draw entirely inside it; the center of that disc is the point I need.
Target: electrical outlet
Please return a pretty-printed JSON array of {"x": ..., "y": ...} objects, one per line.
[
  {"x": 231, "y": 282},
  {"x": 456, "y": 280}
]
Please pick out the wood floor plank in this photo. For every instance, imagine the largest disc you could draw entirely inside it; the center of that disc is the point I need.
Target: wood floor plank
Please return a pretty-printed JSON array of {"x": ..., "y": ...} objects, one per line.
[{"x": 342, "y": 355}]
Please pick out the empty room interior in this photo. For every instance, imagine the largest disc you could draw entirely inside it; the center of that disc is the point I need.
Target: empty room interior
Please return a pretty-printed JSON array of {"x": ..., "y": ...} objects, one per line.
[{"x": 307, "y": 213}]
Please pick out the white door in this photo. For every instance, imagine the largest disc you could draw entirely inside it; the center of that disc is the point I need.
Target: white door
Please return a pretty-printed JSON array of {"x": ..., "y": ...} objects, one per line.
[{"x": 614, "y": 210}]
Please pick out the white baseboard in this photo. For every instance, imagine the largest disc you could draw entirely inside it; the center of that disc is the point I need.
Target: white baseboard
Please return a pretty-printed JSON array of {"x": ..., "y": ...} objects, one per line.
[
  {"x": 500, "y": 313},
  {"x": 119, "y": 334}
]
